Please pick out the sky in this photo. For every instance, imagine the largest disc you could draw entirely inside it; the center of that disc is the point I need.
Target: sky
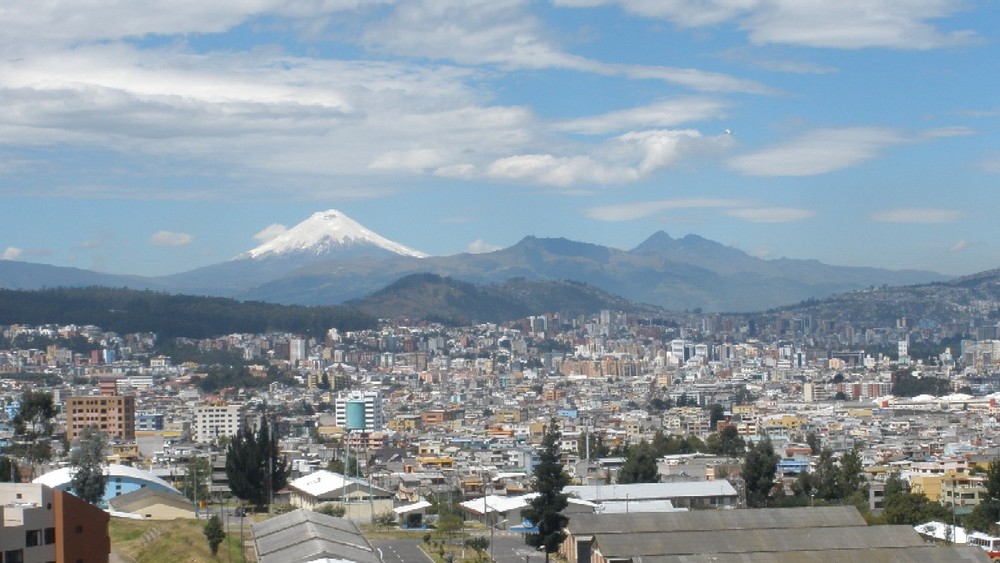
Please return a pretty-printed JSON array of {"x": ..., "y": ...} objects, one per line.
[{"x": 152, "y": 137}]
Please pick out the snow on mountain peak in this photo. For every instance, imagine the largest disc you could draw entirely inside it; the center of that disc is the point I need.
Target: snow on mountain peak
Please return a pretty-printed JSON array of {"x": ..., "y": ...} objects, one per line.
[{"x": 325, "y": 231}]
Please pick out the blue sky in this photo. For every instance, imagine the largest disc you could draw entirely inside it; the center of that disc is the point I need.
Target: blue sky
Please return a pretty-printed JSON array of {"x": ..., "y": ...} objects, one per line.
[{"x": 153, "y": 137}]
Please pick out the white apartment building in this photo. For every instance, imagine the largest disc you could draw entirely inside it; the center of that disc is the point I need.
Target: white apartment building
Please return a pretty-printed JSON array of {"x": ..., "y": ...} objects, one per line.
[
  {"x": 213, "y": 421},
  {"x": 360, "y": 410}
]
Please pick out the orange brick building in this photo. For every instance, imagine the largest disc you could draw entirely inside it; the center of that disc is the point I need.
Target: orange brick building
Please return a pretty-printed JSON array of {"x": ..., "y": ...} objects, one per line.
[{"x": 113, "y": 414}]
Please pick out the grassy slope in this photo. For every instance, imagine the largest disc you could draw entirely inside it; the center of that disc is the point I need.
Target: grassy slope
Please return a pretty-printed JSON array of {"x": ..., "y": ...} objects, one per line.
[{"x": 178, "y": 540}]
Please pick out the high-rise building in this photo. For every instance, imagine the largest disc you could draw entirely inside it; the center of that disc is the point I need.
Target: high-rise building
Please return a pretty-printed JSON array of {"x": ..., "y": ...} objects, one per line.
[
  {"x": 361, "y": 411},
  {"x": 212, "y": 421},
  {"x": 110, "y": 412},
  {"x": 296, "y": 351}
]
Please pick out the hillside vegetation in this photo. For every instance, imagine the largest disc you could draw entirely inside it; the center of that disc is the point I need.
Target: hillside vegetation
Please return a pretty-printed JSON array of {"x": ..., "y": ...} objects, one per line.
[{"x": 127, "y": 311}]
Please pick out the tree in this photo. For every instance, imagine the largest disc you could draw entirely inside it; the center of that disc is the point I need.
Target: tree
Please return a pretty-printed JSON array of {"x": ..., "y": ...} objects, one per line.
[
  {"x": 33, "y": 426},
  {"x": 214, "y": 533},
  {"x": 479, "y": 544},
  {"x": 640, "y": 465},
  {"x": 350, "y": 469},
  {"x": 911, "y": 509},
  {"x": 253, "y": 465},
  {"x": 545, "y": 510},
  {"x": 715, "y": 413},
  {"x": 196, "y": 475},
  {"x": 758, "y": 472},
  {"x": 727, "y": 442},
  {"x": 852, "y": 479},
  {"x": 87, "y": 460},
  {"x": 8, "y": 470}
]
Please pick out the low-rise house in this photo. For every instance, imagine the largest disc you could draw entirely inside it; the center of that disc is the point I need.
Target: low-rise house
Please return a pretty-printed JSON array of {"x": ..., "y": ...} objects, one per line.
[{"x": 360, "y": 499}]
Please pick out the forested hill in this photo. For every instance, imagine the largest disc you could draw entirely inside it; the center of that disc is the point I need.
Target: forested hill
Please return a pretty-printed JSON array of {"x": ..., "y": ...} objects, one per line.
[{"x": 126, "y": 311}]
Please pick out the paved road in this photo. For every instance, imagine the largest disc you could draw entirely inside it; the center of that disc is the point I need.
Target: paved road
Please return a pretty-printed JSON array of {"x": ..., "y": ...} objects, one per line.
[
  {"x": 510, "y": 548},
  {"x": 401, "y": 551}
]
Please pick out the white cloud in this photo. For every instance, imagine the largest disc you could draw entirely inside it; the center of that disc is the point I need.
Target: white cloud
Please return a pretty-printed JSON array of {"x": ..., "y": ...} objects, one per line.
[
  {"x": 505, "y": 33},
  {"x": 12, "y": 253},
  {"x": 818, "y": 152},
  {"x": 626, "y": 158},
  {"x": 479, "y": 246},
  {"x": 641, "y": 209},
  {"x": 270, "y": 232},
  {"x": 667, "y": 113},
  {"x": 961, "y": 246},
  {"x": 918, "y": 215},
  {"x": 846, "y": 24},
  {"x": 89, "y": 20},
  {"x": 169, "y": 238},
  {"x": 771, "y": 214}
]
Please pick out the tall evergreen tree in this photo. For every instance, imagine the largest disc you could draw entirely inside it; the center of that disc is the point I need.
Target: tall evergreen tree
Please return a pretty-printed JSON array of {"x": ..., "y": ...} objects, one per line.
[
  {"x": 254, "y": 466},
  {"x": 545, "y": 510},
  {"x": 87, "y": 460},
  {"x": 214, "y": 533},
  {"x": 758, "y": 473}
]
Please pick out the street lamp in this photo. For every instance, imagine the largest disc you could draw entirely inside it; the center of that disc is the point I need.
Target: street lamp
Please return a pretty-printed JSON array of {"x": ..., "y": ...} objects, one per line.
[{"x": 493, "y": 527}]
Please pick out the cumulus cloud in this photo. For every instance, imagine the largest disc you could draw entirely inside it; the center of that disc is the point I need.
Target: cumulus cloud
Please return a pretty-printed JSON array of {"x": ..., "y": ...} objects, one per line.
[
  {"x": 12, "y": 253},
  {"x": 270, "y": 232},
  {"x": 169, "y": 238},
  {"x": 479, "y": 246},
  {"x": 626, "y": 158},
  {"x": 818, "y": 152},
  {"x": 848, "y": 24},
  {"x": 918, "y": 215}
]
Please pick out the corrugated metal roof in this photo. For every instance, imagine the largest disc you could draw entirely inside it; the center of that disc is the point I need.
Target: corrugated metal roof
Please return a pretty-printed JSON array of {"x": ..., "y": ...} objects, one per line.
[
  {"x": 924, "y": 554},
  {"x": 652, "y": 491},
  {"x": 754, "y": 541},
  {"x": 304, "y": 535},
  {"x": 827, "y": 516}
]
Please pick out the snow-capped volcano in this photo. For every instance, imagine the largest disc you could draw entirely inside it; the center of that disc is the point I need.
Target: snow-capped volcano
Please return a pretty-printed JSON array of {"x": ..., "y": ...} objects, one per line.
[{"x": 328, "y": 232}]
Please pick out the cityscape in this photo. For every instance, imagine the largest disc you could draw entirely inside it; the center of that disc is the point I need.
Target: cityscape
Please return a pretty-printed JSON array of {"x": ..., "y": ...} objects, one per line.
[
  {"x": 454, "y": 281},
  {"x": 429, "y": 414}
]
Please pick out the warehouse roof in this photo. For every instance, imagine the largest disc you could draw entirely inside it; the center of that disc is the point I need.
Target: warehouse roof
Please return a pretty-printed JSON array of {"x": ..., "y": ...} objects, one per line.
[{"x": 304, "y": 535}]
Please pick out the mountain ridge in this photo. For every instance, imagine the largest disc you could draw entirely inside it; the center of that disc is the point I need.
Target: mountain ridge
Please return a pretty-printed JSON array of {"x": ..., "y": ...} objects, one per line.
[{"x": 329, "y": 259}]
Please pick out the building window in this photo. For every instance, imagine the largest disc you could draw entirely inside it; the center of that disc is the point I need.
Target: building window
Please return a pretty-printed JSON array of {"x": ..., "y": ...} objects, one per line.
[
  {"x": 50, "y": 536},
  {"x": 13, "y": 556},
  {"x": 32, "y": 538},
  {"x": 78, "y": 529}
]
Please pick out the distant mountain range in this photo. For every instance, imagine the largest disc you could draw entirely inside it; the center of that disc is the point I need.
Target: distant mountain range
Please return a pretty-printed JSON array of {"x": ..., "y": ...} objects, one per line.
[{"x": 331, "y": 259}]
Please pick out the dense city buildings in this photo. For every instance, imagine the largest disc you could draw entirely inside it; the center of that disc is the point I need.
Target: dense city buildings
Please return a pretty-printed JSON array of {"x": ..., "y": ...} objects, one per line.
[{"x": 422, "y": 409}]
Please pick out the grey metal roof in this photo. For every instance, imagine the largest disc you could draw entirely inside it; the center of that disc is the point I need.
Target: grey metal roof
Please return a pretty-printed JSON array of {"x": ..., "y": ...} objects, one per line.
[
  {"x": 923, "y": 554},
  {"x": 754, "y": 541},
  {"x": 304, "y": 535},
  {"x": 633, "y": 523}
]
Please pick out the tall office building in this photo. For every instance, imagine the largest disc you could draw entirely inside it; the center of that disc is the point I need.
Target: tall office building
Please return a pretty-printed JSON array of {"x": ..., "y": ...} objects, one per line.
[
  {"x": 212, "y": 421},
  {"x": 361, "y": 411}
]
